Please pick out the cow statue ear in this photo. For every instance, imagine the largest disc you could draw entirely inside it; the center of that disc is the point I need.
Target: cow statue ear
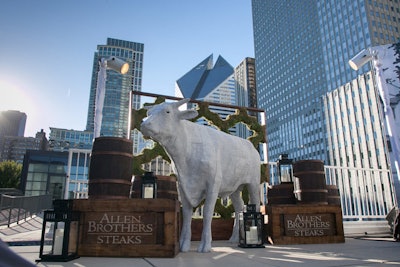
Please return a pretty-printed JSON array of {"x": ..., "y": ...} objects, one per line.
[
  {"x": 148, "y": 107},
  {"x": 188, "y": 114}
]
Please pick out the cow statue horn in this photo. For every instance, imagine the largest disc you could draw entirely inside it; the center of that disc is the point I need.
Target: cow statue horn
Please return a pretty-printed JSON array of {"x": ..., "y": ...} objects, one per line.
[{"x": 181, "y": 102}]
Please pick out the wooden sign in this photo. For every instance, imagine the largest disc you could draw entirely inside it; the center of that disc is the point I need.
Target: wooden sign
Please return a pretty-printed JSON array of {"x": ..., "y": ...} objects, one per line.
[
  {"x": 128, "y": 227},
  {"x": 309, "y": 224},
  {"x": 305, "y": 224},
  {"x": 120, "y": 228}
]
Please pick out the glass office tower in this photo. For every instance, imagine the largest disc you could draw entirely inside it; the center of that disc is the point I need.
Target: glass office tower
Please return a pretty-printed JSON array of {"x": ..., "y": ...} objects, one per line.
[
  {"x": 12, "y": 123},
  {"x": 118, "y": 87},
  {"x": 302, "y": 50},
  {"x": 210, "y": 83}
]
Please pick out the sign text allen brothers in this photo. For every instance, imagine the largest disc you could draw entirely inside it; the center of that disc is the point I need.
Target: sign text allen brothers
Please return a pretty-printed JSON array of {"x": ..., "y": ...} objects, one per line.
[
  {"x": 124, "y": 229},
  {"x": 309, "y": 224}
]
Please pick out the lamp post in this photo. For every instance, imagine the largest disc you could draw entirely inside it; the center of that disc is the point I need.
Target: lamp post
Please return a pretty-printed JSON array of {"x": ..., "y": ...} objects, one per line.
[
  {"x": 375, "y": 54},
  {"x": 117, "y": 65}
]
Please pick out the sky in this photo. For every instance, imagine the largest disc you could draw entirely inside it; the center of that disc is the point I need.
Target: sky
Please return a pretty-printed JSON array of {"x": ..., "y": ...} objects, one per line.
[{"x": 47, "y": 48}]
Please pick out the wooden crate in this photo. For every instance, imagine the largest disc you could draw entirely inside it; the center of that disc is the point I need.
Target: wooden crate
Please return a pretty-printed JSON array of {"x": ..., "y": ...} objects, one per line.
[
  {"x": 221, "y": 229},
  {"x": 128, "y": 227},
  {"x": 305, "y": 224}
]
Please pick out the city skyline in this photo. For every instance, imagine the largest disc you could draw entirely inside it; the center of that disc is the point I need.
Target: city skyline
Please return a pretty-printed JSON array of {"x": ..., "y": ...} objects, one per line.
[{"x": 47, "y": 49}]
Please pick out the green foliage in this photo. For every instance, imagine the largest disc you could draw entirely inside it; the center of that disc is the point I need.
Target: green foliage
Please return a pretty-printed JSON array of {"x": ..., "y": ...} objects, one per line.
[
  {"x": 10, "y": 174},
  {"x": 140, "y": 114},
  {"x": 264, "y": 173},
  {"x": 225, "y": 212},
  {"x": 147, "y": 156}
]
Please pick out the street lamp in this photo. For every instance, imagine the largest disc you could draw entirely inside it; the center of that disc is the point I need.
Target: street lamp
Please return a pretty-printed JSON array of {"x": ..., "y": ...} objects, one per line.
[
  {"x": 117, "y": 65},
  {"x": 376, "y": 55},
  {"x": 361, "y": 59}
]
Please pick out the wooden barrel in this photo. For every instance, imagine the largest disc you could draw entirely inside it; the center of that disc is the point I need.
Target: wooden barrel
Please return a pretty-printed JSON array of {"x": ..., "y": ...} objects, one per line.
[
  {"x": 333, "y": 195},
  {"x": 310, "y": 182},
  {"x": 110, "y": 171},
  {"x": 281, "y": 194},
  {"x": 166, "y": 187}
]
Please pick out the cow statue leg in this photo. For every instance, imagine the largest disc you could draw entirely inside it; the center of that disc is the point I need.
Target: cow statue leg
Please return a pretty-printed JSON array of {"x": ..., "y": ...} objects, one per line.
[
  {"x": 254, "y": 194},
  {"x": 206, "y": 235},
  {"x": 237, "y": 203},
  {"x": 186, "y": 232}
]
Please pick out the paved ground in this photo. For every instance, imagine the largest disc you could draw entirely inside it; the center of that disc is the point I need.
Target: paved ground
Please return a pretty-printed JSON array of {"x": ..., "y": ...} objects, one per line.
[{"x": 356, "y": 251}]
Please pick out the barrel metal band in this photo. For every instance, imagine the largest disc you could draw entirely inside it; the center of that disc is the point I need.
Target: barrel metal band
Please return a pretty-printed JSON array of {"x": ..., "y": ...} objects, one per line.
[
  {"x": 107, "y": 197},
  {"x": 308, "y": 172},
  {"x": 311, "y": 191},
  {"x": 111, "y": 181},
  {"x": 112, "y": 153}
]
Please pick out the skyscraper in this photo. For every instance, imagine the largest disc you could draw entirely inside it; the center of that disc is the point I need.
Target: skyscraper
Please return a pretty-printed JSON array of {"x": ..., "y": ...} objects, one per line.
[
  {"x": 116, "y": 102},
  {"x": 357, "y": 141},
  {"x": 302, "y": 50},
  {"x": 12, "y": 123},
  {"x": 210, "y": 83},
  {"x": 245, "y": 82},
  {"x": 245, "y": 87}
]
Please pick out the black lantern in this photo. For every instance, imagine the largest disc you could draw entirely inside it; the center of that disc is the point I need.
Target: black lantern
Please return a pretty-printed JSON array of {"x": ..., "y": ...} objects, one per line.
[
  {"x": 251, "y": 228},
  {"x": 285, "y": 169},
  {"x": 149, "y": 185},
  {"x": 61, "y": 241}
]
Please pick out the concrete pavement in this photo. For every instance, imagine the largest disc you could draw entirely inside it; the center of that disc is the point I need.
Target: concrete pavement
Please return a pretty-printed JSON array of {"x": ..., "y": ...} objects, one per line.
[{"x": 356, "y": 251}]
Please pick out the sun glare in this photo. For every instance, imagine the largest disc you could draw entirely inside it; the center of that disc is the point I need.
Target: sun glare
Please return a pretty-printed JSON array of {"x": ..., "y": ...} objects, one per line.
[{"x": 15, "y": 96}]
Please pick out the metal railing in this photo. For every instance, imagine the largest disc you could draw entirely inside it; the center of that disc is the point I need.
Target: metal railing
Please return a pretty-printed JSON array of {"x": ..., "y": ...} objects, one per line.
[
  {"x": 365, "y": 194},
  {"x": 13, "y": 209}
]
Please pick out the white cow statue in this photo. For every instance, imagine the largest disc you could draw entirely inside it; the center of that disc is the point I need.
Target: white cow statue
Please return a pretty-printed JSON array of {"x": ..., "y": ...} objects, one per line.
[{"x": 208, "y": 164}]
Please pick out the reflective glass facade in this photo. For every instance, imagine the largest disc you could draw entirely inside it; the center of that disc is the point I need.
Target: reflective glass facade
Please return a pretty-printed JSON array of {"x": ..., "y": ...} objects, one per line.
[
  {"x": 210, "y": 83},
  {"x": 245, "y": 83},
  {"x": 116, "y": 102},
  {"x": 64, "y": 139},
  {"x": 302, "y": 50},
  {"x": 45, "y": 172},
  {"x": 355, "y": 132}
]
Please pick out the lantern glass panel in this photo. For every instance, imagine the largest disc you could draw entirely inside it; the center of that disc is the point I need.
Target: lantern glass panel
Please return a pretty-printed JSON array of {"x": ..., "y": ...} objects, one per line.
[
  {"x": 285, "y": 169},
  {"x": 60, "y": 234},
  {"x": 73, "y": 237},
  {"x": 53, "y": 239},
  {"x": 149, "y": 185},
  {"x": 148, "y": 190},
  {"x": 285, "y": 173},
  {"x": 250, "y": 228}
]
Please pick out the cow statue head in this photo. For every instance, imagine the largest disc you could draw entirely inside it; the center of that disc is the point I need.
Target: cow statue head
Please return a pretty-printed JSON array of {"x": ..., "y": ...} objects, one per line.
[{"x": 163, "y": 120}]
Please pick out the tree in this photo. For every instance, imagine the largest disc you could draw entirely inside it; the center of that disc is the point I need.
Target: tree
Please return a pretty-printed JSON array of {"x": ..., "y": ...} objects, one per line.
[{"x": 10, "y": 174}]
